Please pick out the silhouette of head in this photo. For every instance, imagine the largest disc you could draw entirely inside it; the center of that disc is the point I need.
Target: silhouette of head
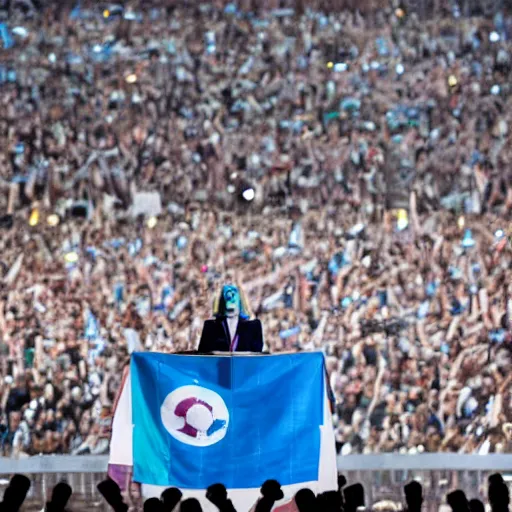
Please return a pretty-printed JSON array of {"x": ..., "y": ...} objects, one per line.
[
  {"x": 458, "y": 502},
  {"x": 217, "y": 494},
  {"x": 354, "y": 497},
  {"x": 272, "y": 489},
  {"x": 305, "y": 500},
  {"x": 499, "y": 496},
  {"x": 153, "y": 505},
  {"x": 171, "y": 497},
  {"x": 476, "y": 506},
  {"x": 112, "y": 494},
  {"x": 496, "y": 478},
  {"x": 329, "y": 501},
  {"x": 190, "y": 505},
  {"x": 60, "y": 496},
  {"x": 20, "y": 482},
  {"x": 414, "y": 495},
  {"x": 15, "y": 494}
]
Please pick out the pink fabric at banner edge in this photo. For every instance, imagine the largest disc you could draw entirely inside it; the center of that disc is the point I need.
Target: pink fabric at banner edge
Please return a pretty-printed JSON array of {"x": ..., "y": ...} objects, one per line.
[
  {"x": 121, "y": 475},
  {"x": 287, "y": 507}
]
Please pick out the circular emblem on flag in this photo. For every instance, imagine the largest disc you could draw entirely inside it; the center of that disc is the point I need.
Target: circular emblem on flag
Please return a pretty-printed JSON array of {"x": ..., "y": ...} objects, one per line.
[{"x": 195, "y": 415}]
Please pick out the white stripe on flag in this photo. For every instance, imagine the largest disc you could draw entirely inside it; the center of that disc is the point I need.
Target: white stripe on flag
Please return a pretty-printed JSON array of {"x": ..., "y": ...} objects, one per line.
[
  {"x": 243, "y": 499},
  {"x": 122, "y": 430}
]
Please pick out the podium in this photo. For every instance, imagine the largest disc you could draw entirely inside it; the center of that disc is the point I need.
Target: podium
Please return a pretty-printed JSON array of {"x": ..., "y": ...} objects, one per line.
[{"x": 192, "y": 420}]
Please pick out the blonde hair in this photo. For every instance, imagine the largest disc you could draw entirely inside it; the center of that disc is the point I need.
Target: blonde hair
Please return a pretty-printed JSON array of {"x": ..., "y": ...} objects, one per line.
[{"x": 243, "y": 299}]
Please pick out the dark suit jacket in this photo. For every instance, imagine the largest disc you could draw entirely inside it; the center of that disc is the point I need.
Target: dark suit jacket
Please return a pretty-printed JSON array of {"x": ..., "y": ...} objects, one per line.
[{"x": 215, "y": 336}]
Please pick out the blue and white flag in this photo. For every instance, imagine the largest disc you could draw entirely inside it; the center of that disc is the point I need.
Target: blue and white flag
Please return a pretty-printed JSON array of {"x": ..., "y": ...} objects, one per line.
[{"x": 238, "y": 420}]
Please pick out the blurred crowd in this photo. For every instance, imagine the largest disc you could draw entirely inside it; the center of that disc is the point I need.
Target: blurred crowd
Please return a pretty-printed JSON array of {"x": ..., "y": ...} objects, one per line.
[{"x": 351, "y": 171}]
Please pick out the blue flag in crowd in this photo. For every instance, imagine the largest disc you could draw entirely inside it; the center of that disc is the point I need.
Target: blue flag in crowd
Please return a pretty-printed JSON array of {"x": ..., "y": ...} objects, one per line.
[
  {"x": 7, "y": 40},
  {"x": 237, "y": 420},
  {"x": 91, "y": 326},
  {"x": 76, "y": 12}
]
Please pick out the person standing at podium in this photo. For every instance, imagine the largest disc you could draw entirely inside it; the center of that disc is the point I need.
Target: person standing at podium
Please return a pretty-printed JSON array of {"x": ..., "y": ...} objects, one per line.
[{"x": 231, "y": 330}]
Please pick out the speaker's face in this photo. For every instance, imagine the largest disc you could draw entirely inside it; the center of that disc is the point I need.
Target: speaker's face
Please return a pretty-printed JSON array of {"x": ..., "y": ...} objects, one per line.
[{"x": 232, "y": 300}]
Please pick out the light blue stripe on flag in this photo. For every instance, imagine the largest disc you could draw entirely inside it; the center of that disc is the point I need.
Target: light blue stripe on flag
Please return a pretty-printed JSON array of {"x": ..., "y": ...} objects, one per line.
[
  {"x": 6, "y": 37},
  {"x": 236, "y": 420}
]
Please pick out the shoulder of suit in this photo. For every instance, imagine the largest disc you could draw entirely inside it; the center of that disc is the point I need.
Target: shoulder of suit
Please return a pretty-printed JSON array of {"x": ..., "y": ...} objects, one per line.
[{"x": 254, "y": 321}]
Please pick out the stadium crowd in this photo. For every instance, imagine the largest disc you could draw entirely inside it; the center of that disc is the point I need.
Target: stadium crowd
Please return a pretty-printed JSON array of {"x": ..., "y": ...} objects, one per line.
[{"x": 352, "y": 173}]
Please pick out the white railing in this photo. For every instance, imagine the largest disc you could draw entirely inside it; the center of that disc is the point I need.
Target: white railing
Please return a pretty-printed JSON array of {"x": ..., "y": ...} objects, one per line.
[{"x": 379, "y": 462}]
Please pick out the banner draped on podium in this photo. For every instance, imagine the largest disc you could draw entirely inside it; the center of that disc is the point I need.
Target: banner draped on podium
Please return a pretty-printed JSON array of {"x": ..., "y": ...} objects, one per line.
[{"x": 236, "y": 420}]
